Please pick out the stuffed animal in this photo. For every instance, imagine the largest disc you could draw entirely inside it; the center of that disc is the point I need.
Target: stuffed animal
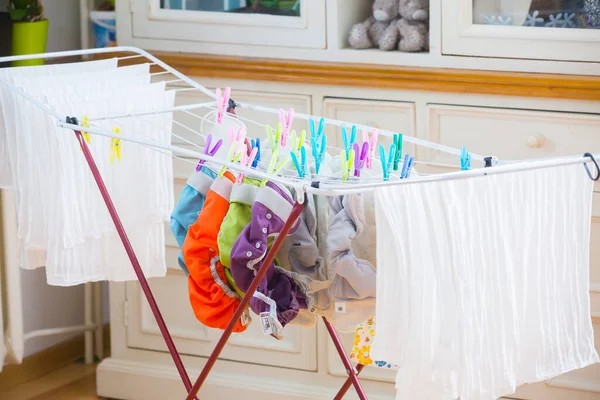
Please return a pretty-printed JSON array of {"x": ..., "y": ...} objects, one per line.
[
  {"x": 408, "y": 31},
  {"x": 368, "y": 34}
]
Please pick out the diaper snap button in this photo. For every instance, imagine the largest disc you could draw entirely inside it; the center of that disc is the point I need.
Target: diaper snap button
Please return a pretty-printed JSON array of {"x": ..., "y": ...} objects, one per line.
[
  {"x": 264, "y": 230},
  {"x": 249, "y": 254},
  {"x": 257, "y": 245},
  {"x": 269, "y": 216}
]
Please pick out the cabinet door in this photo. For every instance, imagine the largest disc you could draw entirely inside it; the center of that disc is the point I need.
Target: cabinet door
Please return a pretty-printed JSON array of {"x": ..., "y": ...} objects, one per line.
[
  {"x": 526, "y": 29},
  {"x": 298, "y": 347},
  {"x": 392, "y": 116},
  {"x": 285, "y": 23},
  {"x": 516, "y": 135}
]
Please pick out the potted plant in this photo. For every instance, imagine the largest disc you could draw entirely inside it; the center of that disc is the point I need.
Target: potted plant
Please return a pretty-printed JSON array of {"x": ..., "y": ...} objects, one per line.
[
  {"x": 30, "y": 29},
  {"x": 5, "y": 34}
]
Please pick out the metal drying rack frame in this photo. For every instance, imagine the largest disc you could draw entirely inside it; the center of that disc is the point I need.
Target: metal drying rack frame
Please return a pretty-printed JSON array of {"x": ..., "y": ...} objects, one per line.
[{"x": 303, "y": 187}]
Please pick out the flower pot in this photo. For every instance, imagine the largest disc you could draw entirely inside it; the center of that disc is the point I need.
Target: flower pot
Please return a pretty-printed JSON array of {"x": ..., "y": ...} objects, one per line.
[
  {"x": 29, "y": 38},
  {"x": 6, "y": 35}
]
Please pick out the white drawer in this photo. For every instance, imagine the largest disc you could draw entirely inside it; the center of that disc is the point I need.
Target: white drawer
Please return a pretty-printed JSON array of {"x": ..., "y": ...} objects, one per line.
[
  {"x": 510, "y": 134},
  {"x": 392, "y": 116}
]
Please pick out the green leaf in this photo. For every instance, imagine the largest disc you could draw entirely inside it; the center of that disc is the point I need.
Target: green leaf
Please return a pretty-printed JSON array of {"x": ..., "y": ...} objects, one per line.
[
  {"x": 23, "y": 3},
  {"x": 17, "y": 14}
]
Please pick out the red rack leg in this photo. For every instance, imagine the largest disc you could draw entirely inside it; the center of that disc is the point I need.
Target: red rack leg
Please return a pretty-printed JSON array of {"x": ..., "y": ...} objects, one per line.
[
  {"x": 345, "y": 360},
  {"x": 134, "y": 262},
  {"x": 347, "y": 384},
  {"x": 296, "y": 210}
]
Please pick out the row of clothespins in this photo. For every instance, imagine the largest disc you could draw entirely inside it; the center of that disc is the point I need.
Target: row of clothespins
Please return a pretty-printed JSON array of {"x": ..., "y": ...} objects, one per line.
[{"x": 353, "y": 157}]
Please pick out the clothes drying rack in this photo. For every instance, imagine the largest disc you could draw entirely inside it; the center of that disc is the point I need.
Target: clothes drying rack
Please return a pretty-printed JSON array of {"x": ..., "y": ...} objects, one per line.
[{"x": 324, "y": 186}]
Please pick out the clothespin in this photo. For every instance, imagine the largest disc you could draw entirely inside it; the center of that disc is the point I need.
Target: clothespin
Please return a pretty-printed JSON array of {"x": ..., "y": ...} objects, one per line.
[
  {"x": 274, "y": 137},
  {"x": 360, "y": 157},
  {"x": 372, "y": 142},
  {"x": 302, "y": 165},
  {"x": 208, "y": 150},
  {"x": 236, "y": 146},
  {"x": 347, "y": 162},
  {"x": 286, "y": 122},
  {"x": 246, "y": 161},
  {"x": 465, "y": 159},
  {"x": 387, "y": 163},
  {"x": 348, "y": 141},
  {"x": 317, "y": 133},
  {"x": 298, "y": 141},
  {"x": 398, "y": 155},
  {"x": 274, "y": 167},
  {"x": 115, "y": 146},
  {"x": 319, "y": 146},
  {"x": 86, "y": 135},
  {"x": 406, "y": 166},
  {"x": 222, "y": 103},
  {"x": 256, "y": 145}
]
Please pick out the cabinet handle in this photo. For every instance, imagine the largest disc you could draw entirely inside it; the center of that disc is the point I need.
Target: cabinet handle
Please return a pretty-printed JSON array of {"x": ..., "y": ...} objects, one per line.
[{"x": 535, "y": 142}]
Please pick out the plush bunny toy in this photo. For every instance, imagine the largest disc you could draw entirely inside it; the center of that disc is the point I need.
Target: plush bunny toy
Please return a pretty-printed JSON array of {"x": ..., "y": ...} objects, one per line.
[
  {"x": 368, "y": 34},
  {"x": 410, "y": 31}
]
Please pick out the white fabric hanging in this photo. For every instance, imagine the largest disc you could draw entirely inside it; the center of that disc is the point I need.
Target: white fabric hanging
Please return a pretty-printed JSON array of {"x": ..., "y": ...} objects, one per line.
[
  {"x": 483, "y": 282},
  {"x": 63, "y": 222},
  {"x": 6, "y": 74}
]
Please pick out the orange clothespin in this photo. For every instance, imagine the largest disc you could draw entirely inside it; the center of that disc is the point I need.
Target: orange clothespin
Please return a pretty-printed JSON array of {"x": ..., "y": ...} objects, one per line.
[{"x": 115, "y": 146}]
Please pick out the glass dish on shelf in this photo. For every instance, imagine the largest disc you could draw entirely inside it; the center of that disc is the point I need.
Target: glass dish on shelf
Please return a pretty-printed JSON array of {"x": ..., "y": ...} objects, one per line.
[
  {"x": 269, "y": 7},
  {"x": 578, "y": 14}
]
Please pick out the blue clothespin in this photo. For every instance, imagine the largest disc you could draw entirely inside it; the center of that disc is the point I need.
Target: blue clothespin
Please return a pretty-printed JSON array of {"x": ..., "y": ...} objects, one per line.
[
  {"x": 348, "y": 142},
  {"x": 256, "y": 143},
  {"x": 387, "y": 163},
  {"x": 318, "y": 150},
  {"x": 317, "y": 133},
  {"x": 465, "y": 159},
  {"x": 302, "y": 166},
  {"x": 406, "y": 166}
]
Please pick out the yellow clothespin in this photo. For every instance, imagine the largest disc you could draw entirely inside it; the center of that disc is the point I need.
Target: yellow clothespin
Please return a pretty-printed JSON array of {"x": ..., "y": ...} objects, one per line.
[
  {"x": 346, "y": 164},
  {"x": 86, "y": 135},
  {"x": 115, "y": 146}
]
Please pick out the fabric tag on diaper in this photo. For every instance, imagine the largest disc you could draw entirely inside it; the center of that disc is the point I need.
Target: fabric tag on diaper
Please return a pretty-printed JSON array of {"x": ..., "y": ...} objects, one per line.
[
  {"x": 265, "y": 322},
  {"x": 340, "y": 307},
  {"x": 245, "y": 318}
]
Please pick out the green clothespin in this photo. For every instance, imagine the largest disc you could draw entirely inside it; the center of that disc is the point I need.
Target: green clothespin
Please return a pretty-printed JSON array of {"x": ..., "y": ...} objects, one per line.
[{"x": 398, "y": 154}]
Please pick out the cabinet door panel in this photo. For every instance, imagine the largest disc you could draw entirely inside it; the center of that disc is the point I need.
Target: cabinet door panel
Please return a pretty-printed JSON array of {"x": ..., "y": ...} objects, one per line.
[{"x": 298, "y": 347}]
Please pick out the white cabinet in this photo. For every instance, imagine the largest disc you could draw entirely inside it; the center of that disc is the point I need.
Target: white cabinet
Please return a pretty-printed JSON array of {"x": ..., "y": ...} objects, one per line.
[
  {"x": 285, "y": 23},
  {"x": 522, "y": 29}
]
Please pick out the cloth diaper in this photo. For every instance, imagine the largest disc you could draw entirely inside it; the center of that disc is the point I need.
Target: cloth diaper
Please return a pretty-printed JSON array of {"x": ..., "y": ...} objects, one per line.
[
  {"x": 351, "y": 257},
  {"x": 187, "y": 210},
  {"x": 212, "y": 300},
  {"x": 270, "y": 210}
]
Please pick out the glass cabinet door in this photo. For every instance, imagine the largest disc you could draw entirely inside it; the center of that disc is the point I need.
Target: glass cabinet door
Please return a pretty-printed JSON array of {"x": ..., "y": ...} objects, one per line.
[
  {"x": 285, "y": 23},
  {"x": 566, "y": 30}
]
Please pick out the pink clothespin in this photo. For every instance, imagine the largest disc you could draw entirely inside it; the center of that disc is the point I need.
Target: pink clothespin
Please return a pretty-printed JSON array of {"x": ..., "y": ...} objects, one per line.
[
  {"x": 222, "y": 103},
  {"x": 238, "y": 142},
  {"x": 246, "y": 161},
  {"x": 286, "y": 123},
  {"x": 372, "y": 146}
]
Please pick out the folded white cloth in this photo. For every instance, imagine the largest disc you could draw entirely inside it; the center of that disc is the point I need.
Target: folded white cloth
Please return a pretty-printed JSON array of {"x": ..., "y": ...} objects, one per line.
[{"x": 483, "y": 282}]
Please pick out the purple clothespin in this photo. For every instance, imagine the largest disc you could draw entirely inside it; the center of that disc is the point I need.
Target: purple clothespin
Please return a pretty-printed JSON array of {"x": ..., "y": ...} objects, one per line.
[
  {"x": 360, "y": 157},
  {"x": 208, "y": 151}
]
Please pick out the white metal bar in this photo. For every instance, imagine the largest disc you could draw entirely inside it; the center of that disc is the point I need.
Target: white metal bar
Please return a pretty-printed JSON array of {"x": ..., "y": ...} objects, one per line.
[
  {"x": 59, "y": 331},
  {"x": 98, "y": 320},
  {"x": 151, "y": 112},
  {"x": 338, "y": 189},
  {"x": 88, "y": 320}
]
